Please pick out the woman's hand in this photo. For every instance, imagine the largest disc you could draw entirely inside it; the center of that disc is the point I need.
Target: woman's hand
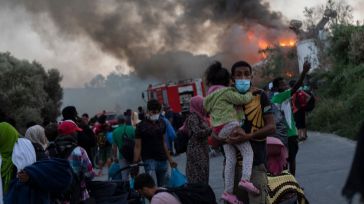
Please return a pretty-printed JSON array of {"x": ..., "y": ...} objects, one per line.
[{"x": 23, "y": 176}]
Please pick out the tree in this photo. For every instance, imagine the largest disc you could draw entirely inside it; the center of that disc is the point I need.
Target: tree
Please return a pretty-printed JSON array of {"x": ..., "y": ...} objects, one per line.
[
  {"x": 28, "y": 92},
  {"x": 280, "y": 61},
  {"x": 54, "y": 91},
  {"x": 314, "y": 14}
]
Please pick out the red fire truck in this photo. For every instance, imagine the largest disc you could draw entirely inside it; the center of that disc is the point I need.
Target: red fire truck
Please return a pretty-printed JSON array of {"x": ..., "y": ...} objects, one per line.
[{"x": 177, "y": 95}]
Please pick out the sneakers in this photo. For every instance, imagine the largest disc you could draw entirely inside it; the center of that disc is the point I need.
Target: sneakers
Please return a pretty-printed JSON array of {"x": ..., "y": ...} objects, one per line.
[
  {"x": 230, "y": 198},
  {"x": 248, "y": 186}
]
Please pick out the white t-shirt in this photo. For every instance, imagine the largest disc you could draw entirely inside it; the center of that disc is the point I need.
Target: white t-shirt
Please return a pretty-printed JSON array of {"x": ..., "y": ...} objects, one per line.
[{"x": 164, "y": 198}]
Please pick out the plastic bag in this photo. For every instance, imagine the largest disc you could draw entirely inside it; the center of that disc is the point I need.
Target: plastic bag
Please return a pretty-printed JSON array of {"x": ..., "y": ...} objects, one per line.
[
  {"x": 177, "y": 179},
  {"x": 109, "y": 137}
]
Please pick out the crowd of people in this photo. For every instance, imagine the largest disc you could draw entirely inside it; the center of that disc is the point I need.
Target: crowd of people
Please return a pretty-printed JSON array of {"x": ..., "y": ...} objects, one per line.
[{"x": 235, "y": 115}]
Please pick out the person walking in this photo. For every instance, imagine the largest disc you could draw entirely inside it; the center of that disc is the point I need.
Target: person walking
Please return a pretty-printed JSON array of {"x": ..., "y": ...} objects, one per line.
[
  {"x": 256, "y": 126},
  {"x": 355, "y": 181},
  {"x": 283, "y": 100},
  {"x": 8, "y": 137},
  {"x": 36, "y": 135},
  {"x": 123, "y": 130},
  {"x": 197, "y": 166},
  {"x": 150, "y": 146}
]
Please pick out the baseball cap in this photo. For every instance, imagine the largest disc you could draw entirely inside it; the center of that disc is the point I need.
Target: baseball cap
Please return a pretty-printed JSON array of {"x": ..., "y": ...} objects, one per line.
[{"x": 68, "y": 127}]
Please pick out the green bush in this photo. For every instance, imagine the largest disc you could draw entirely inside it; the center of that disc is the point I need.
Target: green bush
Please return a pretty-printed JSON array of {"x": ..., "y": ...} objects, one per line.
[{"x": 341, "y": 89}]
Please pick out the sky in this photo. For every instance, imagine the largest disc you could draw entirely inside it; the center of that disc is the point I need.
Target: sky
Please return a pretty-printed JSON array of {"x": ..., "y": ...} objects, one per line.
[{"x": 80, "y": 59}]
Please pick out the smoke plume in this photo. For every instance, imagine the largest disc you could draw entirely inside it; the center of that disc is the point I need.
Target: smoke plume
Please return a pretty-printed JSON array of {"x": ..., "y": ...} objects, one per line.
[{"x": 160, "y": 38}]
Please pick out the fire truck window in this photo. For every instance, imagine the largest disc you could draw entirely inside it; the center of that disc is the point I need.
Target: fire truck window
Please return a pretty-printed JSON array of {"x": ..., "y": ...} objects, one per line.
[{"x": 165, "y": 97}]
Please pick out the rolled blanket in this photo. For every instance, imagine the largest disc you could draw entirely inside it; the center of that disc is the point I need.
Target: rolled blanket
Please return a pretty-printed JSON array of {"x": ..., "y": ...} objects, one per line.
[
  {"x": 282, "y": 185},
  {"x": 46, "y": 176},
  {"x": 53, "y": 175}
]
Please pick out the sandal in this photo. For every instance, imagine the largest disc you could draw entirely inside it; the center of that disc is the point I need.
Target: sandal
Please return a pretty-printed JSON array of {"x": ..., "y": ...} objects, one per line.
[
  {"x": 249, "y": 186},
  {"x": 230, "y": 198}
]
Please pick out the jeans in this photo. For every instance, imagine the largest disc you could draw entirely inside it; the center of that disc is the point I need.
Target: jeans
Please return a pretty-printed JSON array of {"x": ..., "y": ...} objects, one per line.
[
  {"x": 125, "y": 174},
  {"x": 157, "y": 169}
]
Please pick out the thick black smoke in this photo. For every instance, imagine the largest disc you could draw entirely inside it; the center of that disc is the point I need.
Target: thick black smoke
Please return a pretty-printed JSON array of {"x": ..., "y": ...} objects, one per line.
[{"x": 157, "y": 38}]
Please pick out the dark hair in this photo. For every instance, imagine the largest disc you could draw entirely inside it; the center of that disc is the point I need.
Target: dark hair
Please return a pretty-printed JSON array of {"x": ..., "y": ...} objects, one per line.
[
  {"x": 69, "y": 113},
  {"x": 153, "y": 105},
  {"x": 140, "y": 108},
  {"x": 128, "y": 112},
  {"x": 143, "y": 180},
  {"x": 276, "y": 82},
  {"x": 51, "y": 131},
  {"x": 240, "y": 64},
  {"x": 217, "y": 75},
  {"x": 85, "y": 115},
  {"x": 102, "y": 119}
]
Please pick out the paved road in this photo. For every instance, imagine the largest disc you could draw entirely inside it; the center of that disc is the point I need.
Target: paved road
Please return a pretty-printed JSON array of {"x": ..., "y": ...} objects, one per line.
[{"x": 323, "y": 163}]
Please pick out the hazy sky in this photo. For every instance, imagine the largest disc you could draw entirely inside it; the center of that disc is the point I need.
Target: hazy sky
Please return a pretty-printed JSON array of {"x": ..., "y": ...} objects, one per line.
[{"x": 80, "y": 59}]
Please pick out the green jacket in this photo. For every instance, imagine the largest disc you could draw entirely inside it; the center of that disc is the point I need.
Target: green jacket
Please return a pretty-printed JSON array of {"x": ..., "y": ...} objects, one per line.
[{"x": 220, "y": 105}]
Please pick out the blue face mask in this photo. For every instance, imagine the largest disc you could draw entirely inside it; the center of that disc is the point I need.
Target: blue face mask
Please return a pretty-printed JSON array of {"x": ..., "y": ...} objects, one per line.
[{"x": 242, "y": 85}]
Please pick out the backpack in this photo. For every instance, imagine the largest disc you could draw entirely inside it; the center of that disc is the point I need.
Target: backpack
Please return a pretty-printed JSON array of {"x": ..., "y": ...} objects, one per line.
[
  {"x": 303, "y": 100},
  {"x": 101, "y": 139},
  {"x": 311, "y": 102},
  {"x": 181, "y": 142},
  {"x": 127, "y": 149},
  {"x": 63, "y": 147},
  {"x": 192, "y": 194}
]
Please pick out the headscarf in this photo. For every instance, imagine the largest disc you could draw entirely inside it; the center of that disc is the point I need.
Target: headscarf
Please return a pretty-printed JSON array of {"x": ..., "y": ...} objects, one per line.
[
  {"x": 196, "y": 106},
  {"x": 277, "y": 156},
  {"x": 23, "y": 154},
  {"x": 37, "y": 135},
  {"x": 8, "y": 138}
]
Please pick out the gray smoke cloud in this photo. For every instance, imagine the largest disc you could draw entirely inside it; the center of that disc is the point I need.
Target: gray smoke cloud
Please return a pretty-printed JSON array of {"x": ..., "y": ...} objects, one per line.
[{"x": 159, "y": 38}]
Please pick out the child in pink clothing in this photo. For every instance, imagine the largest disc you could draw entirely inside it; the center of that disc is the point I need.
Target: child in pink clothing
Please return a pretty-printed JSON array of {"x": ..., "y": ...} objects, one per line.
[{"x": 220, "y": 104}]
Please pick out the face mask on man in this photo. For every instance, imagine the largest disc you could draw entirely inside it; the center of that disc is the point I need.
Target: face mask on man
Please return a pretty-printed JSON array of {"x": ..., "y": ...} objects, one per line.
[
  {"x": 242, "y": 85},
  {"x": 154, "y": 117}
]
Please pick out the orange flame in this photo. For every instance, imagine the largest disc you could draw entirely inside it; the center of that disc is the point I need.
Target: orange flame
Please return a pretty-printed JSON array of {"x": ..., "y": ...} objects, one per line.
[
  {"x": 287, "y": 42},
  {"x": 263, "y": 44},
  {"x": 262, "y": 39}
]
